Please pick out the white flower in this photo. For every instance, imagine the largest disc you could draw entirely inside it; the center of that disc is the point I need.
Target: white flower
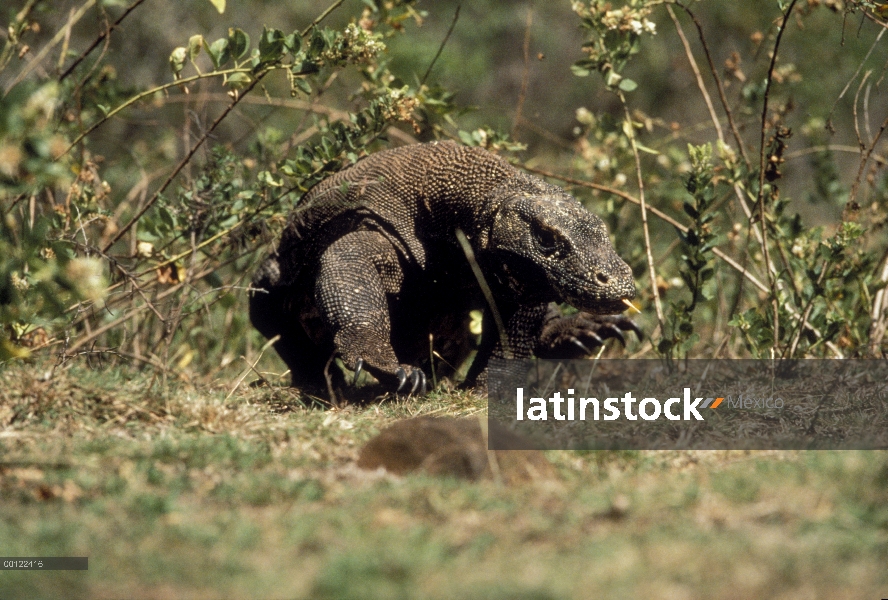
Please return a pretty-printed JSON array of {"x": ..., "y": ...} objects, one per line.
[
  {"x": 636, "y": 26},
  {"x": 145, "y": 249}
]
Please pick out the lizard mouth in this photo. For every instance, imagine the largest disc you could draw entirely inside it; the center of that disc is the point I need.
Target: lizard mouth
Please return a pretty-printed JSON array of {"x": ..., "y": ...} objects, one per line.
[{"x": 608, "y": 307}]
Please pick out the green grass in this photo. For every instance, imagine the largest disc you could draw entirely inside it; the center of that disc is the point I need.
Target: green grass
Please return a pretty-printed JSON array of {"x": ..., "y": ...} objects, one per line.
[{"x": 187, "y": 494}]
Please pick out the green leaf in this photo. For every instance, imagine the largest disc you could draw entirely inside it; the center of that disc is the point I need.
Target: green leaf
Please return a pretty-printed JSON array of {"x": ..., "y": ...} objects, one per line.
[
  {"x": 167, "y": 217},
  {"x": 627, "y": 85},
  {"x": 194, "y": 44},
  {"x": 219, "y": 52},
  {"x": 239, "y": 42},
  {"x": 238, "y": 80},
  {"x": 219, "y": 4},
  {"x": 303, "y": 85},
  {"x": 293, "y": 42},
  {"x": 271, "y": 45},
  {"x": 466, "y": 138}
]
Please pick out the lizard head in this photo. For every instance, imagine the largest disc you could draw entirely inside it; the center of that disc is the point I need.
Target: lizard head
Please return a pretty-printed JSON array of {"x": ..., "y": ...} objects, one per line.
[{"x": 551, "y": 248}]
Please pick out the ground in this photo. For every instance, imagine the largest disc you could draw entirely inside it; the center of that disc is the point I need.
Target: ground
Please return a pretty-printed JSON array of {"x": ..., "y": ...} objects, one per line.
[{"x": 187, "y": 491}]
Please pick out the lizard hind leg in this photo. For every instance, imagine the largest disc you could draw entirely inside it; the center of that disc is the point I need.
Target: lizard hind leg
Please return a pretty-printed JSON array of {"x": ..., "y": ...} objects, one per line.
[
  {"x": 357, "y": 274},
  {"x": 274, "y": 311}
]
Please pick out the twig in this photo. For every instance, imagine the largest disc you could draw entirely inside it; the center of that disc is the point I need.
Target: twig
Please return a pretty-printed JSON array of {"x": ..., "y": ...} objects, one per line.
[
  {"x": 321, "y": 17},
  {"x": 866, "y": 115},
  {"x": 798, "y": 334},
  {"x": 135, "y": 311},
  {"x": 525, "y": 75},
  {"x": 630, "y": 128},
  {"x": 738, "y": 191},
  {"x": 853, "y": 77},
  {"x": 861, "y": 144},
  {"x": 114, "y": 263},
  {"x": 184, "y": 161},
  {"x": 441, "y": 47},
  {"x": 603, "y": 188},
  {"x": 864, "y": 159},
  {"x": 267, "y": 345},
  {"x": 99, "y": 39},
  {"x": 58, "y": 37},
  {"x": 833, "y": 148},
  {"x": 145, "y": 94},
  {"x": 878, "y": 315},
  {"x": 152, "y": 268},
  {"x": 485, "y": 289},
  {"x": 761, "y": 191},
  {"x": 718, "y": 84},
  {"x": 697, "y": 75}
]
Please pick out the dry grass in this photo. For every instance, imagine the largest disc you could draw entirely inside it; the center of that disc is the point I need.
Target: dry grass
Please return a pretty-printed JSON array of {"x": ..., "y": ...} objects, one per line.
[{"x": 187, "y": 494}]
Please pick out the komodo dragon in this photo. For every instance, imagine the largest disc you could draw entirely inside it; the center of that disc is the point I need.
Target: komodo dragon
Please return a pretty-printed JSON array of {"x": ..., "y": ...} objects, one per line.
[{"x": 369, "y": 268}]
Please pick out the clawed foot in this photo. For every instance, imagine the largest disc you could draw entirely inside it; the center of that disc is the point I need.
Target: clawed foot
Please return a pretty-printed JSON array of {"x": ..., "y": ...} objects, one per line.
[
  {"x": 406, "y": 375},
  {"x": 575, "y": 335},
  {"x": 416, "y": 378}
]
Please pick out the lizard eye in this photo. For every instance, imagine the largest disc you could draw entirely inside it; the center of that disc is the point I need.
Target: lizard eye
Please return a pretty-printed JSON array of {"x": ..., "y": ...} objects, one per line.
[{"x": 549, "y": 240}]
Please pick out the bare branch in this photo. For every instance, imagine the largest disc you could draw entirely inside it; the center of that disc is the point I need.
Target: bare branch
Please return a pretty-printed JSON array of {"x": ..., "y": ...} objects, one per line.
[
  {"x": 184, "y": 161},
  {"x": 441, "y": 47},
  {"x": 644, "y": 223},
  {"x": 99, "y": 39}
]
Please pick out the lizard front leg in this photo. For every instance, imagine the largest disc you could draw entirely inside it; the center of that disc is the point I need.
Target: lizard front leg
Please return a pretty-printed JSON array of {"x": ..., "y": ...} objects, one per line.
[
  {"x": 574, "y": 336},
  {"x": 356, "y": 274},
  {"x": 541, "y": 330}
]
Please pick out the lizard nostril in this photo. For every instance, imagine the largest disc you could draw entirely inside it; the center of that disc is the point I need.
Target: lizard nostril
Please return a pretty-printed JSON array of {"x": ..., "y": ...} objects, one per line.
[{"x": 601, "y": 277}]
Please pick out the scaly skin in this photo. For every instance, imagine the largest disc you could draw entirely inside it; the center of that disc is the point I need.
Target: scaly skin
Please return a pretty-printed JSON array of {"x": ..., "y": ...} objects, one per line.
[{"x": 369, "y": 267}]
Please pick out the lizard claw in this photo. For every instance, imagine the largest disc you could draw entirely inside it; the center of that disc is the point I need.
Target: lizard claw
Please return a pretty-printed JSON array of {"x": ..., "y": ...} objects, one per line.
[
  {"x": 359, "y": 366},
  {"x": 417, "y": 380},
  {"x": 614, "y": 332},
  {"x": 634, "y": 327},
  {"x": 402, "y": 378},
  {"x": 573, "y": 336},
  {"x": 580, "y": 345}
]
